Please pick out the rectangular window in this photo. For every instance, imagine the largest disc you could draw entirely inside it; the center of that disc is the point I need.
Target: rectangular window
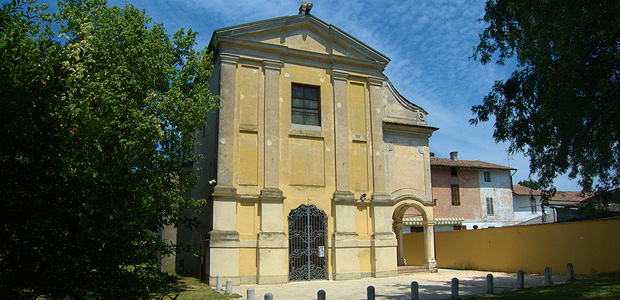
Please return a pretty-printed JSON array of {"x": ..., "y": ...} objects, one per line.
[
  {"x": 490, "y": 209},
  {"x": 487, "y": 176},
  {"x": 533, "y": 205},
  {"x": 453, "y": 172},
  {"x": 456, "y": 199},
  {"x": 306, "y": 105}
]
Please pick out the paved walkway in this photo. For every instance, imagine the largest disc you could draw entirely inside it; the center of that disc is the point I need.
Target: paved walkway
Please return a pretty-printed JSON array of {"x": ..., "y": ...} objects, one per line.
[{"x": 431, "y": 286}]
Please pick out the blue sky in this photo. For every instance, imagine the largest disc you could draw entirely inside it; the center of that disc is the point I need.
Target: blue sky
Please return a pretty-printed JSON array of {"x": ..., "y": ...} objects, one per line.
[{"x": 428, "y": 42}]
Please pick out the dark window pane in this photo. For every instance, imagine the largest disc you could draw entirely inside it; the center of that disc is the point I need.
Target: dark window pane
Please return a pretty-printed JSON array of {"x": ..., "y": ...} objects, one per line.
[
  {"x": 312, "y": 104},
  {"x": 311, "y": 93},
  {"x": 312, "y": 120},
  {"x": 305, "y": 105},
  {"x": 297, "y": 118},
  {"x": 297, "y": 102},
  {"x": 298, "y": 91}
]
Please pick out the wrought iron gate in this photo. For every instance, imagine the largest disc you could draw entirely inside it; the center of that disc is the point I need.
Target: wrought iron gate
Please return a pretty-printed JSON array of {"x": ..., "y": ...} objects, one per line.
[{"x": 307, "y": 230}]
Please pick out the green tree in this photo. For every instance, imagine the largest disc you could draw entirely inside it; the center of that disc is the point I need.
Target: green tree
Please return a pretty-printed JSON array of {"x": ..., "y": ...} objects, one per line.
[
  {"x": 96, "y": 126},
  {"x": 561, "y": 105},
  {"x": 532, "y": 184}
]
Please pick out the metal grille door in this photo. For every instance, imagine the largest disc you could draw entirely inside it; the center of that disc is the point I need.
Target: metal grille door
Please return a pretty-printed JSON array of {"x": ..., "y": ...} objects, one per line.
[{"x": 307, "y": 229}]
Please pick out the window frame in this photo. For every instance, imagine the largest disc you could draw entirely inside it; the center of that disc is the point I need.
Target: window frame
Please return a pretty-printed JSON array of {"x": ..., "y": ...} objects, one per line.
[
  {"x": 490, "y": 206},
  {"x": 305, "y": 111},
  {"x": 455, "y": 194},
  {"x": 454, "y": 172},
  {"x": 487, "y": 176}
]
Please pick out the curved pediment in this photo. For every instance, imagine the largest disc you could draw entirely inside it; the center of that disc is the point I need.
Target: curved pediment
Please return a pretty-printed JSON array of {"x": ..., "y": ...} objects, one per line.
[
  {"x": 300, "y": 32},
  {"x": 399, "y": 110}
]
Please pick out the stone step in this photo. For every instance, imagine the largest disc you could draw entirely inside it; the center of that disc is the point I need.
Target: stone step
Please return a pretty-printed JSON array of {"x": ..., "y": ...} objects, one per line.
[{"x": 411, "y": 269}]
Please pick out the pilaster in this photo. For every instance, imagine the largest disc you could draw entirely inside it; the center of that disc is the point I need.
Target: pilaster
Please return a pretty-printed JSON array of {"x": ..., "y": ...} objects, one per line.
[
  {"x": 341, "y": 130},
  {"x": 224, "y": 239},
  {"x": 272, "y": 241},
  {"x": 377, "y": 112},
  {"x": 272, "y": 123},
  {"x": 383, "y": 240},
  {"x": 226, "y": 131},
  {"x": 346, "y": 251}
]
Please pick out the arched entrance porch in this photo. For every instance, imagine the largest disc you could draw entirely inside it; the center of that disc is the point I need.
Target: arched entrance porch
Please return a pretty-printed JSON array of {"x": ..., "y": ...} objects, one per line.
[{"x": 403, "y": 200}]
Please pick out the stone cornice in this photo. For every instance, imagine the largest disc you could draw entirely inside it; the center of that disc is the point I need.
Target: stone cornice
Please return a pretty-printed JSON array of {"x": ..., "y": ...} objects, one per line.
[
  {"x": 398, "y": 126},
  {"x": 375, "y": 81},
  {"x": 229, "y": 59},
  {"x": 272, "y": 50},
  {"x": 340, "y": 75},
  {"x": 272, "y": 64}
]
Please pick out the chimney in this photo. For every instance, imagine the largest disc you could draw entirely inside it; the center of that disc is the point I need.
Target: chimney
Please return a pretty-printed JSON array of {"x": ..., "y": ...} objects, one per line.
[
  {"x": 454, "y": 155},
  {"x": 432, "y": 154}
]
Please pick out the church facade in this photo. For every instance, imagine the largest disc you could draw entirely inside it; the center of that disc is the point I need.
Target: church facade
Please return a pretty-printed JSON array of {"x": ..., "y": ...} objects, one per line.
[{"x": 315, "y": 157}]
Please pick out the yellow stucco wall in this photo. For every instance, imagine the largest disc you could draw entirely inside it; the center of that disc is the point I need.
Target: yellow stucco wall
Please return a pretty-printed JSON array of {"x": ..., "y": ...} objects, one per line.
[
  {"x": 591, "y": 246},
  {"x": 307, "y": 155}
]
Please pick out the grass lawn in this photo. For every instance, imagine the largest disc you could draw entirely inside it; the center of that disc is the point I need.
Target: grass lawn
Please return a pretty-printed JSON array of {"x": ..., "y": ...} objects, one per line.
[
  {"x": 604, "y": 287},
  {"x": 196, "y": 290}
]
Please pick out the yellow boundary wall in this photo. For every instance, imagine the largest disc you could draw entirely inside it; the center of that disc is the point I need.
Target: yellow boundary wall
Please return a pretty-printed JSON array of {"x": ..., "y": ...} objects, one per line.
[{"x": 591, "y": 246}]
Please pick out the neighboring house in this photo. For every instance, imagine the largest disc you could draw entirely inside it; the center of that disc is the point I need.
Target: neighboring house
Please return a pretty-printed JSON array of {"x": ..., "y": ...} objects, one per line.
[
  {"x": 526, "y": 205},
  {"x": 563, "y": 206},
  {"x": 469, "y": 194},
  {"x": 315, "y": 155}
]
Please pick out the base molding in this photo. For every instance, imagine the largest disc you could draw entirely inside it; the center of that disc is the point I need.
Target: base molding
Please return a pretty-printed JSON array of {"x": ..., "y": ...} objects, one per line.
[
  {"x": 272, "y": 279},
  {"x": 212, "y": 281},
  {"x": 347, "y": 276},
  {"x": 382, "y": 274}
]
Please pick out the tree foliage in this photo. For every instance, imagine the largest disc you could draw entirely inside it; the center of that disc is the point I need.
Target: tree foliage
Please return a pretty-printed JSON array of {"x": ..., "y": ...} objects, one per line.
[
  {"x": 561, "y": 106},
  {"x": 96, "y": 125},
  {"x": 534, "y": 185}
]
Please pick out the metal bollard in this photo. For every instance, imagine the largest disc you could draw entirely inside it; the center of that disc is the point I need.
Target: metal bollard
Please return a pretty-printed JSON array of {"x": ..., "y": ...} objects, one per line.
[
  {"x": 229, "y": 286},
  {"x": 218, "y": 284},
  {"x": 371, "y": 292},
  {"x": 268, "y": 296},
  {"x": 570, "y": 272},
  {"x": 548, "y": 280},
  {"x": 415, "y": 293},
  {"x": 489, "y": 283},
  {"x": 251, "y": 294},
  {"x": 455, "y": 288},
  {"x": 320, "y": 295},
  {"x": 520, "y": 280}
]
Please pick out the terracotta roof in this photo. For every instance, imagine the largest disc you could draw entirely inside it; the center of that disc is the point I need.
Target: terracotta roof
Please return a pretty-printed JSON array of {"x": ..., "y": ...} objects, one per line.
[
  {"x": 524, "y": 191},
  {"x": 560, "y": 196},
  {"x": 568, "y": 196},
  {"x": 472, "y": 164}
]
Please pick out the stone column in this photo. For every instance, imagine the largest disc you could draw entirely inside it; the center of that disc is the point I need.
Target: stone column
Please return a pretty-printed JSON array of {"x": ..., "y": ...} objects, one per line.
[
  {"x": 398, "y": 227},
  {"x": 345, "y": 240},
  {"x": 224, "y": 238},
  {"x": 429, "y": 246},
  {"x": 272, "y": 241},
  {"x": 384, "y": 244}
]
